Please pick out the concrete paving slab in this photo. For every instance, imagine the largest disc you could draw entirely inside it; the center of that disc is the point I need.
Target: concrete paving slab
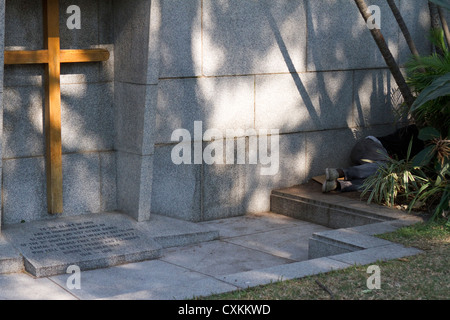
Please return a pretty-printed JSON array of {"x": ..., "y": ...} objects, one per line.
[
  {"x": 21, "y": 286},
  {"x": 127, "y": 279},
  {"x": 375, "y": 228},
  {"x": 283, "y": 272},
  {"x": 188, "y": 290},
  {"x": 251, "y": 224},
  {"x": 170, "y": 232},
  {"x": 372, "y": 255},
  {"x": 290, "y": 243},
  {"x": 351, "y": 238},
  {"x": 220, "y": 258}
]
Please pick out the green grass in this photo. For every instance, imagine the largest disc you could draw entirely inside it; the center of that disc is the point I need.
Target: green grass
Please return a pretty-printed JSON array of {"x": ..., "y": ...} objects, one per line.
[
  {"x": 422, "y": 235},
  {"x": 424, "y": 276}
]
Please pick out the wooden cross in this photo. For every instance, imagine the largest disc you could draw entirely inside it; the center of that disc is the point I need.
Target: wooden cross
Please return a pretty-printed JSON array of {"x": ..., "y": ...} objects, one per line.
[{"x": 53, "y": 56}]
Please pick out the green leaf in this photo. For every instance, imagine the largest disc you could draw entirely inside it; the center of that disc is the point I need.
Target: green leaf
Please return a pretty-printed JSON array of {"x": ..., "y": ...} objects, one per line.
[
  {"x": 442, "y": 170},
  {"x": 442, "y": 3},
  {"x": 444, "y": 204},
  {"x": 438, "y": 88},
  {"x": 424, "y": 157},
  {"x": 438, "y": 181},
  {"x": 428, "y": 133}
]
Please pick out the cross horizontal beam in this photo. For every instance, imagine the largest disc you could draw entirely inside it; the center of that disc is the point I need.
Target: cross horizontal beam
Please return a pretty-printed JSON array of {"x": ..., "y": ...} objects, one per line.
[{"x": 66, "y": 56}]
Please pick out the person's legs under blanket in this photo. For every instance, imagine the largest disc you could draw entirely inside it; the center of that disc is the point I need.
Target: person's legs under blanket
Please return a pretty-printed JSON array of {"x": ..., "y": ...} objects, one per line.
[
  {"x": 353, "y": 177},
  {"x": 362, "y": 171}
]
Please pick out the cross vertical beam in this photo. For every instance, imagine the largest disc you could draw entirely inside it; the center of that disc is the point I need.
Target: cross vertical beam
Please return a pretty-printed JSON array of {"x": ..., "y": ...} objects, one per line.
[
  {"x": 52, "y": 56},
  {"x": 52, "y": 108}
]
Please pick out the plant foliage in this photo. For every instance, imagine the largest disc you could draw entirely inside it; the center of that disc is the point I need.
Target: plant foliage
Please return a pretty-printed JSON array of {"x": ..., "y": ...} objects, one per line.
[
  {"x": 394, "y": 179},
  {"x": 429, "y": 77},
  {"x": 422, "y": 181}
]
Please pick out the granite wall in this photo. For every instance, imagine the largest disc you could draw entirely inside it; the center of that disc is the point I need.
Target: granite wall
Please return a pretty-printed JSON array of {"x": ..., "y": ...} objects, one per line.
[{"x": 307, "y": 68}]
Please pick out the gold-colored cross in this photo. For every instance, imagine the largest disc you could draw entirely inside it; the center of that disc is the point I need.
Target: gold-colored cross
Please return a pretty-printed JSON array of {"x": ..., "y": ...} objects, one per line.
[{"x": 53, "y": 56}]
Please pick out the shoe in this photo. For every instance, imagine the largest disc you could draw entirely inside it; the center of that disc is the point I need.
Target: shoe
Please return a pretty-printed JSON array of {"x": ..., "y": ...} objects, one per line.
[
  {"x": 328, "y": 186},
  {"x": 331, "y": 174}
]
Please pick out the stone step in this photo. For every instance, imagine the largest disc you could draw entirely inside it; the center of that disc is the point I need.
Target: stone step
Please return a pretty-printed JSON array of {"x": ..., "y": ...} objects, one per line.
[
  {"x": 329, "y": 243},
  {"x": 171, "y": 232},
  {"x": 333, "y": 210},
  {"x": 92, "y": 241},
  {"x": 355, "y": 222},
  {"x": 10, "y": 259}
]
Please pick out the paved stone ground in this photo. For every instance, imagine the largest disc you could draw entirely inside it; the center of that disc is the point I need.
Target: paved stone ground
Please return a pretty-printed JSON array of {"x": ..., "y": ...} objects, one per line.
[
  {"x": 251, "y": 242},
  {"x": 252, "y": 250}
]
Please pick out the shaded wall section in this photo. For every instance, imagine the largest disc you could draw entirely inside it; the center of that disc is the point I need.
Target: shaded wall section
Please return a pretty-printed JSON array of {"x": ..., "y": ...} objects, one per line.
[
  {"x": 136, "y": 43},
  {"x": 307, "y": 68}
]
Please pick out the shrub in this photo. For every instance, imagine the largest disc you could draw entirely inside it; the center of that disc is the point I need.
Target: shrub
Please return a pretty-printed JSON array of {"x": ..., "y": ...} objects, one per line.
[
  {"x": 395, "y": 182},
  {"x": 429, "y": 77},
  {"x": 425, "y": 178}
]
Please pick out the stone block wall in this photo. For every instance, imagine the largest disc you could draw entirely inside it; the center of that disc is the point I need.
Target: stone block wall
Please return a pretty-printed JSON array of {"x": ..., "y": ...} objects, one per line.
[{"x": 308, "y": 68}]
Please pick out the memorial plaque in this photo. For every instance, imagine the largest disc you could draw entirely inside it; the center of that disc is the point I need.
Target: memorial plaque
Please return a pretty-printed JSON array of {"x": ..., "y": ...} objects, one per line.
[{"x": 91, "y": 241}]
